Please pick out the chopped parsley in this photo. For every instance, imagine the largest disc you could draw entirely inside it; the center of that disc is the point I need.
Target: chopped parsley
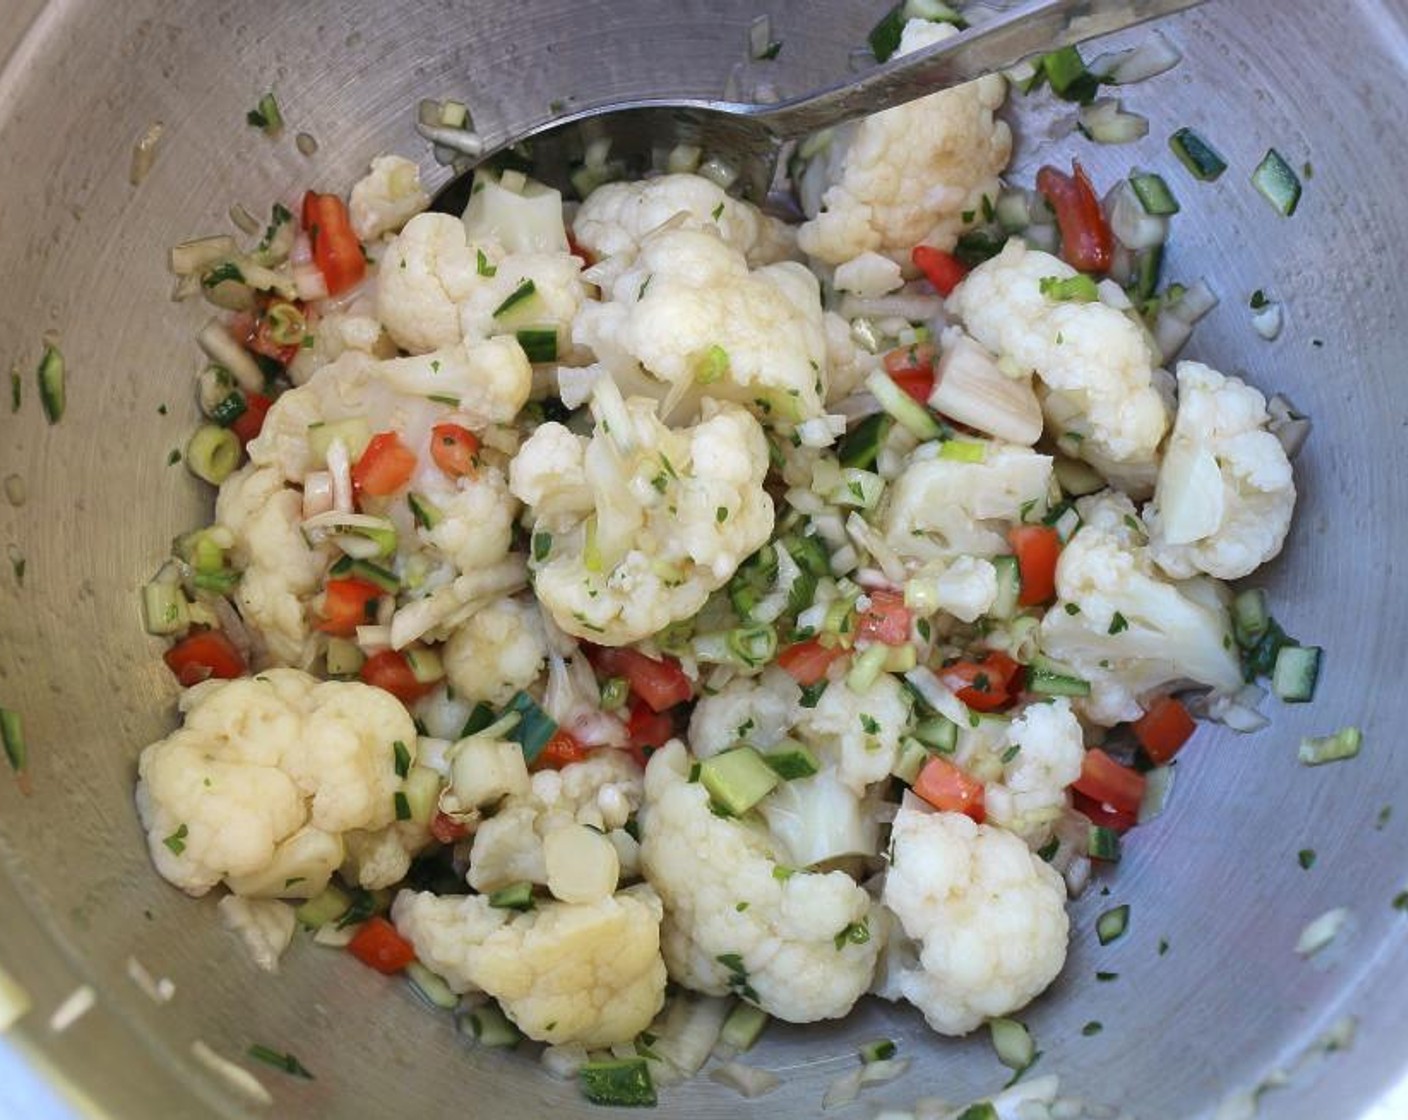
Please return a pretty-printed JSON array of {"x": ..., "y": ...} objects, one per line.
[
  {"x": 1306, "y": 858},
  {"x": 542, "y": 546},
  {"x": 287, "y": 1063},
  {"x": 1118, "y": 623},
  {"x": 1400, "y": 901},
  {"x": 869, "y": 724},
  {"x": 176, "y": 842},
  {"x": 857, "y": 933},
  {"x": 1093, "y": 1027},
  {"x": 266, "y": 116},
  {"x": 718, "y": 212},
  {"x": 721, "y": 514},
  {"x": 403, "y": 758},
  {"x": 1072, "y": 608},
  {"x": 482, "y": 265}
]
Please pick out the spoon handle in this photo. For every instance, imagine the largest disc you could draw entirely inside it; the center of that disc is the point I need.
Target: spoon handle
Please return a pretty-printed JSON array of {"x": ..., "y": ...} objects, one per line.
[{"x": 1031, "y": 28}]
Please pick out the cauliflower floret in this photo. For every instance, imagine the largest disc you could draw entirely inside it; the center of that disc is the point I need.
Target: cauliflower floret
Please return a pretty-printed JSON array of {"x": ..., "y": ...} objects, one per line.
[
  {"x": 989, "y": 917},
  {"x": 847, "y": 364},
  {"x": 689, "y": 311},
  {"x": 755, "y": 710},
  {"x": 1095, "y": 362},
  {"x": 564, "y": 972},
  {"x": 268, "y": 772},
  {"x": 1025, "y": 763},
  {"x": 616, "y": 217},
  {"x": 965, "y": 587},
  {"x": 675, "y": 513},
  {"x": 906, "y": 176},
  {"x": 1225, "y": 492},
  {"x": 732, "y": 924},
  {"x": 280, "y": 570},
  {"x": 475, "y": 528},
  {"x": 387, "y": 198},
  {"x": 941, "y": 508},
  {"x": 857, "y": 731},
  {"x": 381, "y": 859},
  {"x": 334, "y": 334},
  {"x": 602, "y": 791},
  {"x": 498, "y": 651},
  {"x": 1132, "y": 632}
]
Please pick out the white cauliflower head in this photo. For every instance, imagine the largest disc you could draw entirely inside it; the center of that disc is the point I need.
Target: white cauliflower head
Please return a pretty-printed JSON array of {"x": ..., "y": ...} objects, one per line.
[
  {"x": 755, "y": 710},
  {"x": 266, "y": 773},
  {"x": 280, "y": 571},
  {"x": 847, "y": 364},
  {"x": 1122, "y": 626},
  {"x": 564, "y": 972},
  {"x": 797, "y": 945},
  {"x": 1095, "y": 362},
  {"x": 1225, "y": 493},
  {"x": 499, "y": 650},
  {"x": 616, "y": 217},
  {"x": 858, "y": 732},
  {"x": 690, "y": 317},
  {"x": 989, "y": 918},
  {"x": 385, "y": 199},
  {"x": 381, "y": 859},
  {"x": 665, "y": 516},
  {"x": 940, "y": 508},
  {"x": 908, "y": 175}
]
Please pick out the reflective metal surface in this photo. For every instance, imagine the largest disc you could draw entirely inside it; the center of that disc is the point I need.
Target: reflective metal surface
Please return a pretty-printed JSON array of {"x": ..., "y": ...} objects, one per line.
[{"x": 82, "y": 252}]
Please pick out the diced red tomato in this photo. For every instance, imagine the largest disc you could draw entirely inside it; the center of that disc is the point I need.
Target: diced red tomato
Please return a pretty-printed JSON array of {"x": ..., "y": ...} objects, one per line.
[
  {"x": 578, "y": 252},
  {"x": 203, "y": 655},
  {"x": 377, "y": 945},
  {"x": 455, "y": 450},
  {"x": 912, "y": 369},
  {"x": 336, "y": 250},
  {"x": 348, "y": 604},
  {"x": 251, "y": 420},
  {"x": 943, "y": 270},
  {"x": 1037, "y": 547},
  {"x": 385, "y": 466},
  {"x": 1086, "y": 240},
  {"x": 661, "y": 684},
  {"x": 1107, "y": 783},
  {"x": 389, "y": 670},
  {"x": 1163, "y": 729},
  {"x": 948, "y": 789},
  {"x": 1103, "y": 815},
  {"x": 648, "y": 730},
  {"x": 886, "y": 620},
  {"x": 559, "y": 751},
  {"x": 985, "y": 685},
  {"x": 446, "y": 829},
  {"x": 251, "y": 331},
  {"x": 807, "y": 662}
]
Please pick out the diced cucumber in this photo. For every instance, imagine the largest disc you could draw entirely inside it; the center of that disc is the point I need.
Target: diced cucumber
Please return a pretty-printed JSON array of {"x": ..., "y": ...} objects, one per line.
[
  {"x": 737, "y": 779},
  {"x": 1278, "y": 184},
  {"x": 1104, "y": 844},
  {"x": 743, "y": 1026},
  {"x": 624, "y": 1082},
  {"x": 1250, "y": 617},
  {"x": 1013, "y": 1043},
  {"x": 1197, "y": 155},
  {"x": 324, "y": 909},
  {"x": 910, "y": 760},
  {"x": 1331, "y": 748},
  {"x": 164, "y": 608},
  {"x": 857, "y": 488},
  {"x": 1296, "y": 671},
  {"x": 515, "y": 896},
  {"x": 1069, "y": 79},
  {"x": 349, "y": 567},
  {"x": 1044, "y": 682},
  {"x": 792, "y": 760},
  {"x": 52, "y": 392},
  {"x": 1153, "y": 194},
  {"x": 1009, "y": 588},
  {"x": 424, "y": 663},
  {"x": 344, "y": 657},
  {"x": 1111, "y": 925},
  {"x": 422, "y": 790},
  {"x": 939, "y": 733},
  {"x": 539, "y": 343},
  {"x": 489, "y": 1026},
  {"x": 859, "y": 447},
  {"x": 877, "y": 1050},
  {"x": 431, "y": 987}
]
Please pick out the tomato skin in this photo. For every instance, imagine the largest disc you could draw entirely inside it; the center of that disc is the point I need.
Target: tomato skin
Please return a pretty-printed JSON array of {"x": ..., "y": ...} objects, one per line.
[
  {"x": 251, "y": 421},
  {"x": 205, "y": 655},
  {"x": 455, "y": 450},
  {"x": 1086, "y": 240},
  {"x": 559, "y": 751},
  {"x": 336, "y": 250},
  {"x": 977, "y": 686},
  {"x": 377, "y": 945},
  {"x": 384, "y": 467},
  {"x": 1106, "y": 782},
  {"x": 1038, "y": 548},
  {"x": 912, "y": 369},
  {"x": 943, "y": 270},
  {"x": 661, "y": 684},
  {"x": 807, "y": 662},
  {"x": 886, "y": 620},
  {"x": 648, "y": 730},
  {"x": 1163, "y": 729},
  {"x": 389, "y": 670},
  {"x": 1103, "y": 815},
  {"x": 347, "y": 604},
  {"x": 948, "y": 789},
  {"x": 446, "y": 829}
]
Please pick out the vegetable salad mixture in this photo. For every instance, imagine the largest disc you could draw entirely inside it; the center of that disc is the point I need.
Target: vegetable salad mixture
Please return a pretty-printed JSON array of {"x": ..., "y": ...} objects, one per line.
[{"x": 637, "y": 618}]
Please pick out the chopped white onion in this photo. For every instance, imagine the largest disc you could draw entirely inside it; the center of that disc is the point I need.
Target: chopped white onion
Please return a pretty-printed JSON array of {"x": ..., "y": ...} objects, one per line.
[
  {"x": 232, "y": 1074},
  {"x": 1106, "y": 122},
  {"x": 340, "y": 470},
  {"x": 317, "y": 493},
  {"x": 144, "y": 153},
  {"x": 565, "y": 1060},
  {"x": 265, "y": 925},
  {"x": 938, "y": 695},
  {"x": 1155, "y": 55},
  {"x": 158, "y": 991},
  {"x": 1158, "y": 784},
  {"x": 374, "y": 639},
  {"x": 220, "y": 348},
  {"x": 1268, "y": 321},
  {"x": 747, "y": 1080},
  {"x": 1321, "y": 931},
  {"x": 1170, "y": 334},
  {"x": 79, "y": 1002},
  {"x": 458, "y": 140},
  {"x": 1133, "y": 226}
]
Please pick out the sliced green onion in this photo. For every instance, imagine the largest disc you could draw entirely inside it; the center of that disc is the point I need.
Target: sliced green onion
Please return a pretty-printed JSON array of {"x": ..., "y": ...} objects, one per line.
[
  {"x": 1277, "y": 183},
  {"x": 431, "y": 987},
  {"x": 908, "y": 412},
  {"x": 753, "y": 645},
  {"x": 1250, "y": 617},
  {"x": 480, "y": 718},
  {"x": 622, "y": 1082},
  {"x": 860, "y": 446},
  {"x": 1295, "y": 674},
  {"x": 534, "y": 728},
  {"x": 354, "y": 432},
  {"x": 1341, "y": 745},
  {"x": 539, "y": 343},
  {"x": 866, "y": 667},
  {"x": 287, "y": 326},
  {"x": 266, "y": 116},
  {"x": 286, "y": 1063},
  {"x": 401, "y": 805},
  {"x": 713, "y": 366},
  {"x": 422, "y": 789},
  {"x": 402, "y": 756},
  {"x": 1153, "y": 194},
  {"x": 1070, "y": 80},
  {"x": 737, "y": 779},
  {"x": 1079, "y": 288},
  {"x": 856, "y": 933},
  {"x": 489, "y": 1026},
  {"x": 743, "y": 1026},
  {"x": 1111, "y": 925},
  {"x": 524, "y": 291},
  {"x": 1197, "y": 155},
  {"x": 213, "y": 453},
  {"x": 515, "y": 896},
  {"x": 52, "y": 392},
  {"x": 877, "y": 1050},
  {"x": 384, "y": 578},
  {"x": 1013, "y": 1043},
  {"x": 615, "y": 691}
]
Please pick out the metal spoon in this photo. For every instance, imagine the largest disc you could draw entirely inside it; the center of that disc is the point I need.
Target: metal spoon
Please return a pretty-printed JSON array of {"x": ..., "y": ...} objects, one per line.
[{"x": 750, "y": 138}]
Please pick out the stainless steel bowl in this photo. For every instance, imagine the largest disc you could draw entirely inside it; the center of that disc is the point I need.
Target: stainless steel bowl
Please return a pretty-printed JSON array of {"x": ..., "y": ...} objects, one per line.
[{"x": 82, "y": 253}]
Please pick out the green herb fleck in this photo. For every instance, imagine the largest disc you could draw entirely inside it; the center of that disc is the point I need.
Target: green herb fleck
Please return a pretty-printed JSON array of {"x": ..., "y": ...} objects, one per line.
[
  {"x": 1306, "y": 858},
  {"x": 402, "y": 805},
  {"x": 266, "y": 115},
  {"x": 176, "y": 842},
  {"x": 721, "y": 514},
  {"x": 1118, "y": 623},
  {"x": 1049, "y": 849},
  {"x": 173, "y": 457},
  {"x": 857, "y": 933},
  {"x": 1104, "y": 977},
  {"x": 482, "y": 265},
  {"x": 542, "y": 546},
  {"x": 403, "y": 758},
  {"x": 1011, "y": 752},
  {"x": 287, "y": 1063},
  {"x": 1072, "y": 608},
  {"x": 1091, "y": 1028},
  {"x": 718, "y": 212},
  {"x": 869, "y": 724}
]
